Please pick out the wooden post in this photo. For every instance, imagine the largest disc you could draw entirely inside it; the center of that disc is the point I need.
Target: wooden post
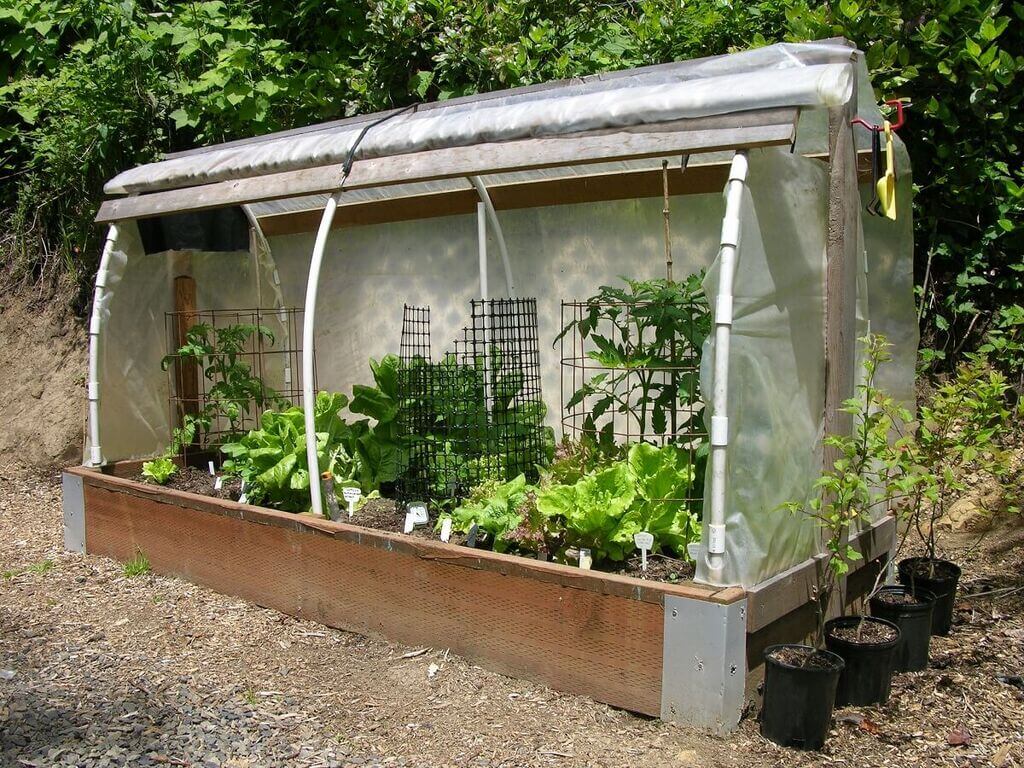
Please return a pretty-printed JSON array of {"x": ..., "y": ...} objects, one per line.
[
  {"x": 840, "y": 289},
  {"x": 841, "y": 276},
  {"x": 186, "y": 372}
]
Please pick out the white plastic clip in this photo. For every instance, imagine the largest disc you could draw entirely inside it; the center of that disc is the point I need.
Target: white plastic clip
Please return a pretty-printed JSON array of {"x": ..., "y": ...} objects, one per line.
[
  {"x": 94, "y": 390},
  {"x": 719, "y": 431},
  {"x": 716, "y": 539},
  {"x": 723, "y": 309}
]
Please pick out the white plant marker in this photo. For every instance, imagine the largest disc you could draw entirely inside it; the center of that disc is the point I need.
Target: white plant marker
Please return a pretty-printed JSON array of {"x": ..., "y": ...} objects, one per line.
[
  {"x": 585, "y": 559},
  {"x": 212, "y": 470},
  {"x": 446, "y": 529},
  {"x": 351, "y": 496},
  {"x": 644, "y": 542},
  {"x": 218, "y": 483},
  {"x": 410, "y": 523},
  {"x": 243, "y": 499},
  {"x": 418, "y": 510}
]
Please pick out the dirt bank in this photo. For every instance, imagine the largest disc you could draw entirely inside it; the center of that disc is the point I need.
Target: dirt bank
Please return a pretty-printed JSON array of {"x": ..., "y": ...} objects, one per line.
[{"x": 42, "y": 385}]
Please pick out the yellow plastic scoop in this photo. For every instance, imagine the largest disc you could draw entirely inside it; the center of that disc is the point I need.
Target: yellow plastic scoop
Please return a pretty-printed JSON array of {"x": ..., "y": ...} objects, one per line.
[{"x": 886, "y": 186}]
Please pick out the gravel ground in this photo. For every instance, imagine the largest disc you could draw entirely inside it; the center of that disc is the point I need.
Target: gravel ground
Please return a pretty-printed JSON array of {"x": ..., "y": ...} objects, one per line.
[{"x": 101, "y": 669}]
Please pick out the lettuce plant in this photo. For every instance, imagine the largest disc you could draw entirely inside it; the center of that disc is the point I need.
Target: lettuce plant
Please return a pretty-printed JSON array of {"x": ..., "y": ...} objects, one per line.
[{"x": 159, "y": 470}]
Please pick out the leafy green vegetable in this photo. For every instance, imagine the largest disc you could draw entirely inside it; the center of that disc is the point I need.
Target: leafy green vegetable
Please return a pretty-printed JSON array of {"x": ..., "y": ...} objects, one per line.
[
  {"x": 272, "y": 459},
  {"x": 495, "y": 508},
  {"x": 649, "y": 491},
  {"x": 159, "y": 470}
]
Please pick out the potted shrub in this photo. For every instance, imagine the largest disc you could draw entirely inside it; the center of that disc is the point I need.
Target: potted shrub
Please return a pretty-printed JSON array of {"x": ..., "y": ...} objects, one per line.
[
  {"x": 911, "y": 611},
  {"x": 803, "y": 682},
  {"x": 959, "y": 432}
]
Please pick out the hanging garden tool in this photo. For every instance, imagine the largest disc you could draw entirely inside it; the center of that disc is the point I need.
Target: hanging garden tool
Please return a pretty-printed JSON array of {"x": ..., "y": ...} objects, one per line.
[
  {"x": 885, "y": 188},
  {"x": 876, "y": 173},
  {"x": 883, "y": 183}
]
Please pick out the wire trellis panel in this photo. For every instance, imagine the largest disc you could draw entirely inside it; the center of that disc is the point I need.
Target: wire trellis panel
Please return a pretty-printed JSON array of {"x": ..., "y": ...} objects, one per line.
[
  {"x": 477, "y": 413},
  {"x": 620, "y": 387},
  {"x": 273, "y": 360}
]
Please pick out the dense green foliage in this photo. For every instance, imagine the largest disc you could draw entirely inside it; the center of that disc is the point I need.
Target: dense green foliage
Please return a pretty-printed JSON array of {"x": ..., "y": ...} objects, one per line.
[
  {"x": 599, "y": 507},
  {"x": 90, "y": 87}
]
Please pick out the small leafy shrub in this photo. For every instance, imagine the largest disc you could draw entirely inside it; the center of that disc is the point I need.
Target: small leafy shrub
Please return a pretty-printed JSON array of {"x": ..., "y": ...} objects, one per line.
[
  {"x": 961, "y": 424},
  {"x": 159, "y": 471},
  {"x": 872, "y": 472}
]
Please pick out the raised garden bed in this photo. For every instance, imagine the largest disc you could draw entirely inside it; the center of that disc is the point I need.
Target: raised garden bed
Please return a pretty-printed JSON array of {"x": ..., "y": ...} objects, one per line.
[{"x": 677, "y": 651}]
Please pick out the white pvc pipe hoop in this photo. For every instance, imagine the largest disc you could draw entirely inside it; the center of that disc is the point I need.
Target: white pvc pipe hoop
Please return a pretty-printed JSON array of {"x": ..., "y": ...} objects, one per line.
[
  {"x": 727, "y": 257},
  {"x": 492, "y": 216},
  {"x": 308, "y": 328},
  {"x": 95, "y": 327}
]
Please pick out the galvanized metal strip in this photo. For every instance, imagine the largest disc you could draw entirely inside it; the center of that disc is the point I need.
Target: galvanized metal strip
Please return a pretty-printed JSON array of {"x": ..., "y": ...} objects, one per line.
[
  {"x": 74, "y": 512},
  {"x": 704, "y": 663}
]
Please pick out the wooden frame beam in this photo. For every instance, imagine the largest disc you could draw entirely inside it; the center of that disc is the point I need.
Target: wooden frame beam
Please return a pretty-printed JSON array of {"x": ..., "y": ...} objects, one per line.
[{"x": 737, "y": 131}]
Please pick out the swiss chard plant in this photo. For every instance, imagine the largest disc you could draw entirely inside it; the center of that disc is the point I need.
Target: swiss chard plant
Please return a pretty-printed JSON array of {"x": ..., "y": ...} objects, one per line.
[
  {"x": 601, "y": 506},
  {"x": 647, "y": 339},
  {"x": 272, "y": 459},
  {"x": 651, "y": 490}
]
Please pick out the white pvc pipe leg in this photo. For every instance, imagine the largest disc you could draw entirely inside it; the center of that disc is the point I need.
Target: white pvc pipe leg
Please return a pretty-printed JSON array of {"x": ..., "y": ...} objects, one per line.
[
  {"x": 492, "y": 215},
  {"x": 308, "y": 328},
  {"x": 95, "y": 326},
  {"x": 727, "y": 257}
]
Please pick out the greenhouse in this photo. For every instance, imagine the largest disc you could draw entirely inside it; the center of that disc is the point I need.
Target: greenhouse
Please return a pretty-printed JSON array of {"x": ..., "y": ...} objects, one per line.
[{"x": 454, "y": 295}]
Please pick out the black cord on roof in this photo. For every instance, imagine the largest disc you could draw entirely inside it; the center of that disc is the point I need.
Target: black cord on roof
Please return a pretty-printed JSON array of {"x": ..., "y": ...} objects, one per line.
[{"x": 346, "y": 167}]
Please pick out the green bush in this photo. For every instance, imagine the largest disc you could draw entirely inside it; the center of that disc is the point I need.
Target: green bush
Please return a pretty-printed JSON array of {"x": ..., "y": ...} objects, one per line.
[{"x": 91, "y": 87}]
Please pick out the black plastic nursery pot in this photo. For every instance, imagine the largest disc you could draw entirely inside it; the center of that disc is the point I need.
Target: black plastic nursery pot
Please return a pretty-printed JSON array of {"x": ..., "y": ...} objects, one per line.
[
  {"x": 939, "y": 577},
  {"x": 799, "y": 694},
  {"x": 910, "y": 610},
  {"x": 867, "y": 676}
]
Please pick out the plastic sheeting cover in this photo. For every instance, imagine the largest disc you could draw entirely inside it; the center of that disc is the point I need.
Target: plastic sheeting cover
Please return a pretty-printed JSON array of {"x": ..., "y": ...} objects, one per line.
[
  {"x": 776, "y": 366},
  {"x": 645, "y": 97}
]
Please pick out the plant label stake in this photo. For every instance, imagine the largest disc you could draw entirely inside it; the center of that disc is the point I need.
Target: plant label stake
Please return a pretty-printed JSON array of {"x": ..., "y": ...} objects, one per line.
[
  {"x": 418, "y": 510},
  {"x": 644, "y": 542},
  {"x": 586, "y": 560},
  {"x": 474, "y": 530},
  {"x": 351, "y": 496},
  {"x": 243, "y": 499},
  {"x": 410, "y": 523},
  {"x": 218, "y": 483},
  {"x": 212, "y": 470},
  {"x": 446, "y": 529}
]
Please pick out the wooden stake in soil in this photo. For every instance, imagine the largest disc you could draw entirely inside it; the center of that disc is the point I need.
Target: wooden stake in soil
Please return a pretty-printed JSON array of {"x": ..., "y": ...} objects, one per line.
[{"x": 186, "y": 372}]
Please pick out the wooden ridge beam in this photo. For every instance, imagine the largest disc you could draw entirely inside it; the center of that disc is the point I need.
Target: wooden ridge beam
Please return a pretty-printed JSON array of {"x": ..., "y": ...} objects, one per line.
[{"x": 741, "y": 130}]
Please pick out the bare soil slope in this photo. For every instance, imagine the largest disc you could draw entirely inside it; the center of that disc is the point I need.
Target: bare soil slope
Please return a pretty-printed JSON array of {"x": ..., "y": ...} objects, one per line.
[{"x": 42, "y": 385}]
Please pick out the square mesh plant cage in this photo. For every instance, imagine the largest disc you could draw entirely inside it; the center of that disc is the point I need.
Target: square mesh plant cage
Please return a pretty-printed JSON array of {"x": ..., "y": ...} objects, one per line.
[
  {"x": 226, "y": 367},
  {"x": 630, "y": 372},
  {"x": 475, "y": 414}
]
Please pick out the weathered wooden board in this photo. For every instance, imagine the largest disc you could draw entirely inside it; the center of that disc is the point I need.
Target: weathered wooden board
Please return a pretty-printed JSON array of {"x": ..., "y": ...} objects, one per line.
[{"x": 739, "y": 131}]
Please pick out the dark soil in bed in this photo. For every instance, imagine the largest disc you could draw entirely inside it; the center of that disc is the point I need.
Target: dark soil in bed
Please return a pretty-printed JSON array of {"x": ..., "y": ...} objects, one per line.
[
  {"x": 899, "y": 598},
  {"x": 803, "y": 658},
  {"x": 195, "y": 480}
]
